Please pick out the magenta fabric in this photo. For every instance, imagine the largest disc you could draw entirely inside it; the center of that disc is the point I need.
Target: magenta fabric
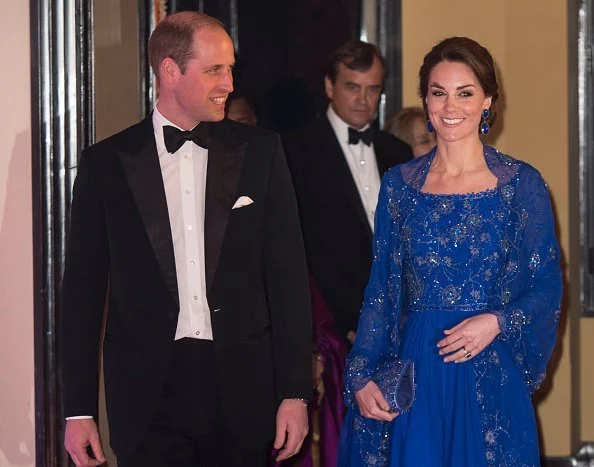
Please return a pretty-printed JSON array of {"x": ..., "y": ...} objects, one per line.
[{"x": 333, "y": 351}]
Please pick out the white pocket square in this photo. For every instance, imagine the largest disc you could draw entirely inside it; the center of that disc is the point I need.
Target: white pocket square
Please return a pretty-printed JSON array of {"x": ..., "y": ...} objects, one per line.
[{"x": 242, "y": 201}]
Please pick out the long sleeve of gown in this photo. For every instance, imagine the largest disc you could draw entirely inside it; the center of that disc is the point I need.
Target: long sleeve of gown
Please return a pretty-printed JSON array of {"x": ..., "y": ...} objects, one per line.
[
  {"x": 531, "y": 285},
  {"x": 364, "y": 441},
  {"x": 377, "y": 331}
]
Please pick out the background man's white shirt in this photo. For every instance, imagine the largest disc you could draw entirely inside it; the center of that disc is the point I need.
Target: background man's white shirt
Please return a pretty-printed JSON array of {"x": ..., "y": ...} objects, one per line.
[{"x": 362, "y": 164}]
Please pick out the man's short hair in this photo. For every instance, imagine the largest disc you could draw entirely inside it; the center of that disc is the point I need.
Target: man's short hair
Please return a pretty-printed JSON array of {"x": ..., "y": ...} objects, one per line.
[
  {"x": 355, "y": 55},
  {"x": 174, "y": 36}
]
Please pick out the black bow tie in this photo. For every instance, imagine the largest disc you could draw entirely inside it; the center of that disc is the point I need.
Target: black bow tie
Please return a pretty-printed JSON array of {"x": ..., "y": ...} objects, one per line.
[
  {"x": 175, "y": 138},
  {"x": 366, "y": 136}
]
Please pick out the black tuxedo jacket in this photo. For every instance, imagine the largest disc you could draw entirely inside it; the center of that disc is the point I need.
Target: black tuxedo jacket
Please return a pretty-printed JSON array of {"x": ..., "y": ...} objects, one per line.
[
  {"x": 337, "y": 234},
  {"x": 256, "y": 277}
]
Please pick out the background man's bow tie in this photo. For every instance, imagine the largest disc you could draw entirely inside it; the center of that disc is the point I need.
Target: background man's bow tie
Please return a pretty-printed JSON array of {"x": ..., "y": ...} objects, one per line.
[
  {"x": 175, "y": 138},
  {"x": 366, "y": 136}
]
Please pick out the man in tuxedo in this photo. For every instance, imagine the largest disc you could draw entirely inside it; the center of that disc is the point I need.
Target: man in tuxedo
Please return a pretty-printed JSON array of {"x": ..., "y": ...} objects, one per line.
[
  {"x": 337, "y": 164},
  {"x": 190, "y": 221}
]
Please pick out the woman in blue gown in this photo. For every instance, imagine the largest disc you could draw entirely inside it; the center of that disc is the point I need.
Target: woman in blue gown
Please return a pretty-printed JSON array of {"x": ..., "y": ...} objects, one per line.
[{"x": 466, "y": 283}]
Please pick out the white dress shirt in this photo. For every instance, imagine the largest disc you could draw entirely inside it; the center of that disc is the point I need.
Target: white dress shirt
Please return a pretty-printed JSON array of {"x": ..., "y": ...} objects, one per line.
[
  {"x": 184, "y": 177},
  {"x": 362, "y": 163}
]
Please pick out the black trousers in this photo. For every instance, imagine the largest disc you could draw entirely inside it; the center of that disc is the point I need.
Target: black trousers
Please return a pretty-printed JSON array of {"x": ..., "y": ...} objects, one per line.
[{"x": 188, "y": 429}]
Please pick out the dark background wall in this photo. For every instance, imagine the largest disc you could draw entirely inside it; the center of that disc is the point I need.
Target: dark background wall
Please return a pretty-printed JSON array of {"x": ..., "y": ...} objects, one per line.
[{"x": 283, "y": 50}]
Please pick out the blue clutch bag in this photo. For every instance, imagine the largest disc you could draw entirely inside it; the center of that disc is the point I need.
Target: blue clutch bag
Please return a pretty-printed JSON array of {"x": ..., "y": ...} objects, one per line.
[{"x": 396, "y": 380}]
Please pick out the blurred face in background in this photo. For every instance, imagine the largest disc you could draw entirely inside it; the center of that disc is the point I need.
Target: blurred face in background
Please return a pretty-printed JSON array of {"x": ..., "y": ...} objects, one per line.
[
  {"x": 410, "y": 125},
  {"x": 422, "y": 141},
  {"x": 241, "y": 111}
]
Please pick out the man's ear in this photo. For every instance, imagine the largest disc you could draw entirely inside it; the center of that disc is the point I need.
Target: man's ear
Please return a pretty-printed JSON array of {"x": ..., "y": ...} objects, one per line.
[
  {"x": 168, "y": 71},
  {"x": 329, "y": 87}
]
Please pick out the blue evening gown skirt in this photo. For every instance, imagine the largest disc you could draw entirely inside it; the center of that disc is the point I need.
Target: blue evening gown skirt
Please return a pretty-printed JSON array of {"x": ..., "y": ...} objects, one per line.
[{"x": 443, "y": 428}]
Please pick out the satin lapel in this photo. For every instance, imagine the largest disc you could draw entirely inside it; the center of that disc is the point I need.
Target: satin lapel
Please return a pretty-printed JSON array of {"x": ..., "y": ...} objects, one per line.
[
  {"x": 339, "y": 171},
  {"x": 382, "y": 167},
  {"x": 222, "y": 177},
  {"x": 142, "y": 169}
]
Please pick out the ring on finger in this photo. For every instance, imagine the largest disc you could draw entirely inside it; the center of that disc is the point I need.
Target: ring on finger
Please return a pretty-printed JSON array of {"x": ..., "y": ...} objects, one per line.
[{"x": 467, "y": 354}]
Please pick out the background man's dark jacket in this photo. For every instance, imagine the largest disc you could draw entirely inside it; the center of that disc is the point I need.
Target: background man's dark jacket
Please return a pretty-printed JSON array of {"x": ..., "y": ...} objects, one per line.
[{"x": 337, "y": 233}]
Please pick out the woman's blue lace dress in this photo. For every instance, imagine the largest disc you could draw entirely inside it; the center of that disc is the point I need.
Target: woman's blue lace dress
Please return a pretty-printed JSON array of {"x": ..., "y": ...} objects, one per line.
[{"x": 438, "y": 260}]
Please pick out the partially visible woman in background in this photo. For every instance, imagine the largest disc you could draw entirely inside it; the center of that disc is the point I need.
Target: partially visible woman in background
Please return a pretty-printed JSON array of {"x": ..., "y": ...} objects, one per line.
[{"x": 410, "y": 125}]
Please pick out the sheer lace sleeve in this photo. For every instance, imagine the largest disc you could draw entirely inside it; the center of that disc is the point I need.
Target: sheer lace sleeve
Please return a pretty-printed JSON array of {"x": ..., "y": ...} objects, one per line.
[
  {"x": 377, "y": 332},
  {"x": 531, "y": 285}
]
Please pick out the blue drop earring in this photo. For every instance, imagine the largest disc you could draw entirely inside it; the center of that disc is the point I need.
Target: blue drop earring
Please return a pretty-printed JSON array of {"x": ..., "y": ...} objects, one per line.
[
  {"x": 430, "y": 126},
  {"x": 485, "y": 126}
]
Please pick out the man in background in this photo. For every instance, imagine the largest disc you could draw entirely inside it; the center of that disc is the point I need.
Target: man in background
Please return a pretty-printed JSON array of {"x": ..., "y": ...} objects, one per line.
[{"x": 337, "y": 164}]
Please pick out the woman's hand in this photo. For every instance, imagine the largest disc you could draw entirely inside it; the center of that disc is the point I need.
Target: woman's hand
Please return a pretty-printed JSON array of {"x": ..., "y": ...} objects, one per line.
[
  {"x": 469, "y": 338},
  {"x": 372, "y": 403}
]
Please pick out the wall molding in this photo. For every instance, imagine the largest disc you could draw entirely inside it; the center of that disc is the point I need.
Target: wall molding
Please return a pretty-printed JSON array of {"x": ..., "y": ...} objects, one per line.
[
  {"x": 583, "y": 458},
  {"x": 62, "y": 123}
]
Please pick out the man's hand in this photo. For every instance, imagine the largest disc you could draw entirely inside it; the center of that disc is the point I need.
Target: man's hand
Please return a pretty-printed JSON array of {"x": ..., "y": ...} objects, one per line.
[
  {"x": 291, "y": 428},
  {"x": 81, "y": 433},
  {"x": 372, "y": 403}
]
